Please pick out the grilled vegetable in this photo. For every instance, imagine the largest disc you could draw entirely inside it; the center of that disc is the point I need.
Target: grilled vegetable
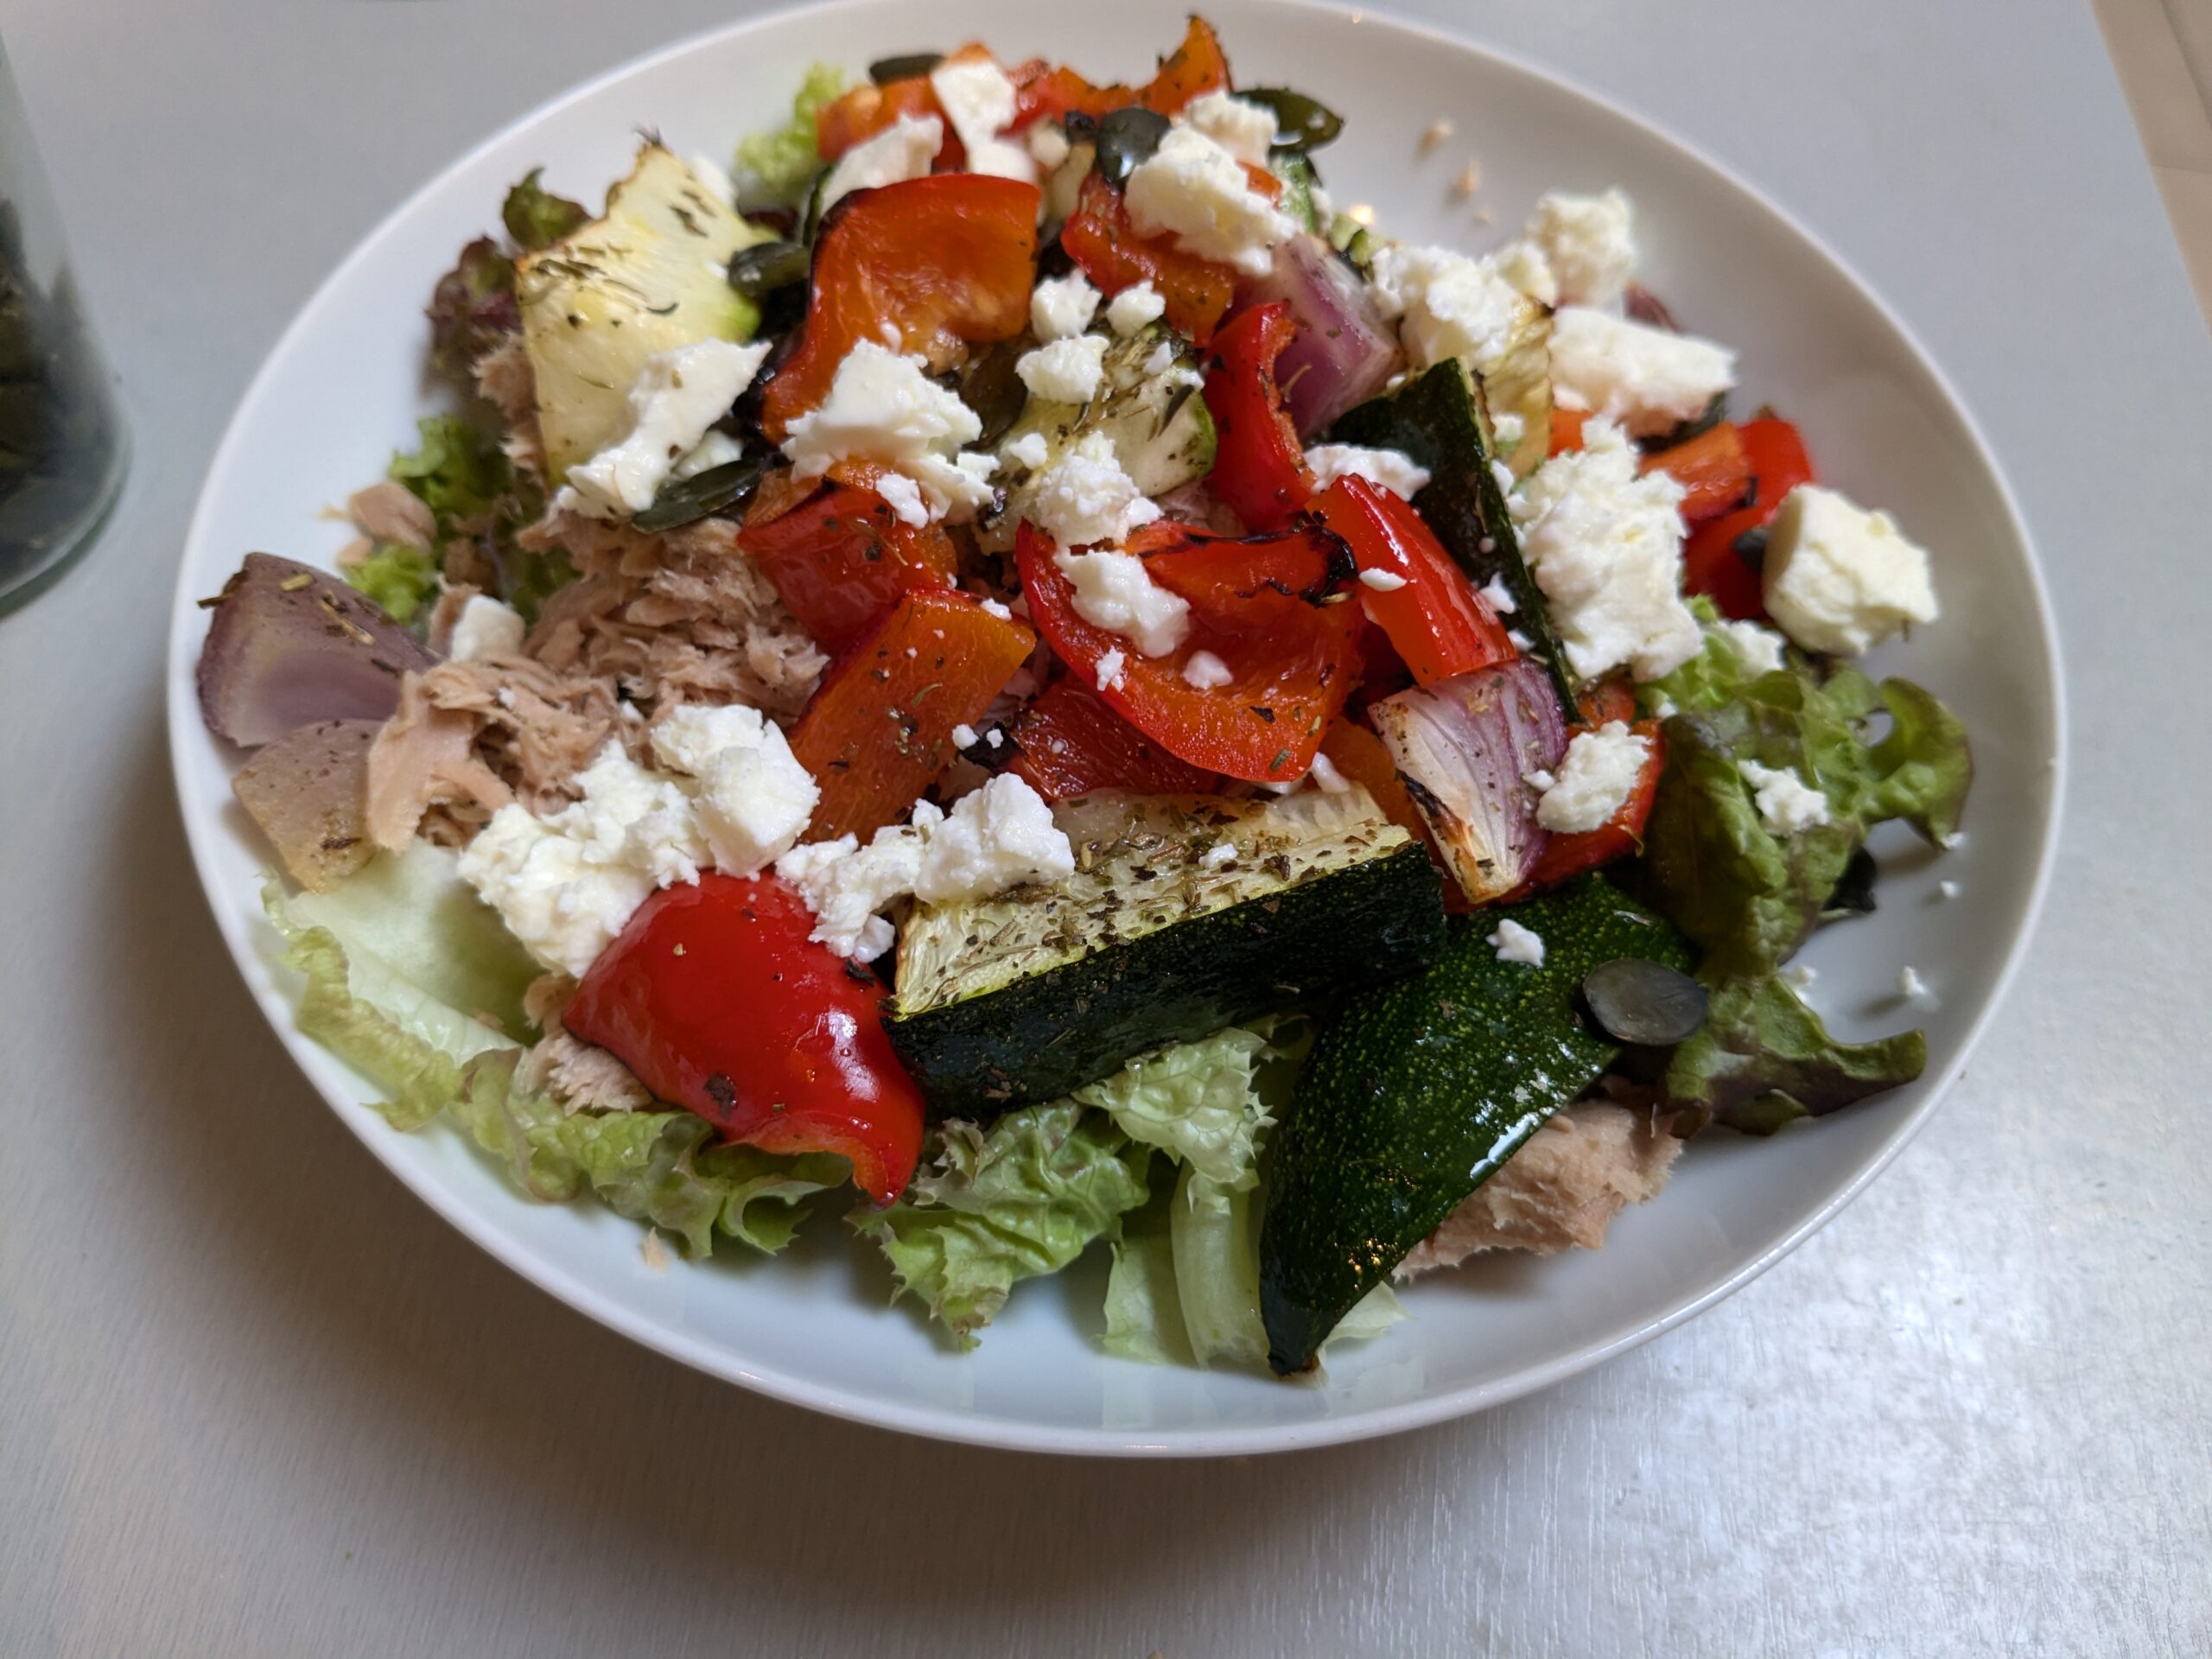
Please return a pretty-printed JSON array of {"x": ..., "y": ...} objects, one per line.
[
  {"x": 1417, "y": 1093},
  {"x": 1151, "y": 412},
  {"x": 1344, "y": 353},
  {"x": 645, "y": 278},
  {"x": 1441, "y": 420},
  {"x": 1158, "y": 938}
]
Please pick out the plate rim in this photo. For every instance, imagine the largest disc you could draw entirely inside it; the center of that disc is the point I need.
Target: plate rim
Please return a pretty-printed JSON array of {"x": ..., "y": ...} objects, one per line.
[{"x": 937, "y": 1423}]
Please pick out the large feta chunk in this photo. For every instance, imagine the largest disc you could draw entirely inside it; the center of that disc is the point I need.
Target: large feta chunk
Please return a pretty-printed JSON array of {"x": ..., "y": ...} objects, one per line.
[
  {"x": 1134, "y": 309},
  {"x": 1589, "y": 245},
  {"x": 1192, "y": 189},
  {"x": 486, "y": 628},
  {"x": 1447, "y": 305},
  {"x": 1115, "y": 592},
  {"x": 1065, "y": 371},
  {"x": 996, "y": 837},
  {"x": 753, "y": 797},
  {"x": 1646, "y": 378},
  {"x": 979, "y": 100},
  {"x": 1245, "y": 130},
  {"x": 677, "y": 397},
  {"x": 1606, "y": 545},
  {"x": 1593, "y": 780},
  {"x": 902, "y": 151},
  {"x": 1757, "y": 648},
  {"x": 1085, "y": 497},
  {"x": 1062, "y": 306},
  {"x": 1390, "y": 469},
  {"x": 566, "y": 884},
  {"x": 1522, "y": 263},
  {"x": 881, "y": 407},
  {"x": 846, "y": 885},
  {"x": 1840, "y": 579}
]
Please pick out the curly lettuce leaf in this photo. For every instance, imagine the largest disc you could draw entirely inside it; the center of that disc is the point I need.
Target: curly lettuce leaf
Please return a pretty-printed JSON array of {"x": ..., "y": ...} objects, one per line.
[
  {"x": 401, "y": 580},
  {"x": 535, "y": 217},
  {"x": 1763, "y": 1060},
  {"x": 777, "y": 167},
  {"x": 473, "y": 307},
  {"x": 408, "y": 978},
  {"x": 1197, "y": 1102},
  {"x": 457, "y": 471},
  {"x": 1023, "y": 1197}
]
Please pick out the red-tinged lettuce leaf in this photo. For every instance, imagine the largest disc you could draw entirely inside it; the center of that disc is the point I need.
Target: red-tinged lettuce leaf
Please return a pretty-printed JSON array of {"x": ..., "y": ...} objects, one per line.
[{"x": 1763, "y": 1060}]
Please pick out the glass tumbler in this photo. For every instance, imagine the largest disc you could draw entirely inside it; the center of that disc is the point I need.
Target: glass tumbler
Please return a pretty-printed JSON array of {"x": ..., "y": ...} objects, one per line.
[{"x": 62, "y": 445}]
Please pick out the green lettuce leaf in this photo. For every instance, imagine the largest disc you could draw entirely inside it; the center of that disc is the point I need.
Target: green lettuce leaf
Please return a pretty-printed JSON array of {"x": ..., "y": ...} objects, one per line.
[
  {"x": 779, "y": 165},
  {"x": 390, "y": 959},
  {"x": 459, "y": 472},
  {"x": 994, "y": 1206},
  {"x": 400, "y": 579},
  {"x": 535, "y": 217},
  {"x": 1194, "y": 1101},
  {"x": 1144, "y": 1314},
  {"x": 1762, "y": 1059},
  {"x": 1924, "y": 767}
]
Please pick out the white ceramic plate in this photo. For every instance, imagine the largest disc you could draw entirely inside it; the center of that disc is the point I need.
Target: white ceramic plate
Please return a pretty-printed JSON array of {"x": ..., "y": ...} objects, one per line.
[{"x": 345, "y": 384}]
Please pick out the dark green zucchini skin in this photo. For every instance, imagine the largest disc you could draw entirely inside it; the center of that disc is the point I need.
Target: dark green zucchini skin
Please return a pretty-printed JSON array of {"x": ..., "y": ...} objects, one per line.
[
  {"x": 1044, "y": 1035},
  {"x": 1417, "y": 1092},
  {"x": 1438, "y": 419}
]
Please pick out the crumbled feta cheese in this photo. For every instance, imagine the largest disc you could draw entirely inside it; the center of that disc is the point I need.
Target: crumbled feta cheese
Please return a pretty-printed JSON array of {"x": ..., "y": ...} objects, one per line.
[
  {"x": 1502, "y": 475},
  {"x": 846, "y": 885},
  {"x": 964, "y": 737},
  {"x": 1327, "y": 778},
  {"x": 1839, "y": 579},
  {"x": 1910, "y": 986},
  {"x": 1787, "y": 804},
  {"x": 1494, "y": 592},
  {"x": 1521, "y": 642},
  {"x": 1390, "y": 469},
  {"x": 1383, "y": 582},
  {"x": 1029, "y": 450},
  {"x": 1111, "y": 667},
  {"x": 902, "y": 151},
  {"x": 1160, "y": 359},
  {"x": 1192, "y": 189},
  {"x": 1515, "y": 943},
  {"x": 566, "y": 884},
  {"x": 1799, "y": 975},
  {"x": 979, "y": 100},
  {"x": 993, "y": 608},
  {"x": 904, "y": 497},
  {"x": 1114, "y": 591},
  {"x": 1946, "y": 889},
  {"x": 676, "y": 396},
  {"x": 1062, "y": 306},
  {"x": 1606, "y": 545},
  {"x": 993, "y": 738},
  {"x": 1589, "y": 242},
  {"x": 1593, "y": 780},
  {"x": 1521, "y": 263},
  {"x": 1447, "y": 305},
  {"x": 753, "y": 798},
  {"x": 1647, "y": 378},
  {"x": 1508, "y": 430},
  {"x": 1219, "y": 856},
  {"x": 997, "y": 837},
  {"x": 1205, "y": 671},
  {"x": 486, "y": 628},
  {"x": 1048, "y": 145},
  {"x": 1065, "y": 371},
  {"x": 1245, "y": 130},
  {"x": 1758, "y": 649},
  {"x": 1085, "y": 497},
  {"x": 882, "y": 408},
  {"x": 1133, "y": 309},
  {"x": 1952, "y": 842}
]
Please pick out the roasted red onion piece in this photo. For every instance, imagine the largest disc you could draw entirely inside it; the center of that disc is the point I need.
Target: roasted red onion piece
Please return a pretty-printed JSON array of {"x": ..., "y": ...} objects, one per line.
[
  {"x": 289, "y": 644},
  {"x": 1465, "y": 747},
  {"x": 1344, "y": 352}
]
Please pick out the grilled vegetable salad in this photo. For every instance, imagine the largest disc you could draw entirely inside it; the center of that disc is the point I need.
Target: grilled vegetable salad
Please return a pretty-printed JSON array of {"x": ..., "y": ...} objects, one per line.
[{"x": 1004, "y": 667}]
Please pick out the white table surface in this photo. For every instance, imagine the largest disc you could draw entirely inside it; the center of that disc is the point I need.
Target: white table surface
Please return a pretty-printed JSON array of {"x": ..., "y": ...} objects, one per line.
[{"x": 255, "y": 1399}]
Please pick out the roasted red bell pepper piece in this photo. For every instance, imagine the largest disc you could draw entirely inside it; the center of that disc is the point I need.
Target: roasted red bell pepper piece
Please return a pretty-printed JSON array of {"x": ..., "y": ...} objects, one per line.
[
  {"x": 1605, "y": 701},
  {"x": 947, "y": 259},
  {"x": 1069, "y": 743},
  {"x": 716, "y": 998},
  {"x": 1435, "y": 618},
  {"x": 879, "y": 730},
  {"x": 840, "y": 558},
  {"x": 1566, "y": 430},
  {"x": 1257, "y": 606},
  {"x": 1195, "y": 66},
  {"x": 1713, "y": 468},
  {"x": 1099, "y": 238},
  {"x": 1565, "y": 855},
  {"x": 1712, "y": 562},
  {"x": 859, "y": 115},
  {"x": 1259, "y": 467}
]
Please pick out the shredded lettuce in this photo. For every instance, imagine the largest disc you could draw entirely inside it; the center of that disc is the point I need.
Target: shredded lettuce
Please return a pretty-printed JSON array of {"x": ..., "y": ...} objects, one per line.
[
  {"x": 413, "y": 983},
  {"x": 777, "y": 167},
  {"x": 1194, "y": 1101},
  {"x": 400, "y": 579},
  {"x": 992, "y": 1206}
]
